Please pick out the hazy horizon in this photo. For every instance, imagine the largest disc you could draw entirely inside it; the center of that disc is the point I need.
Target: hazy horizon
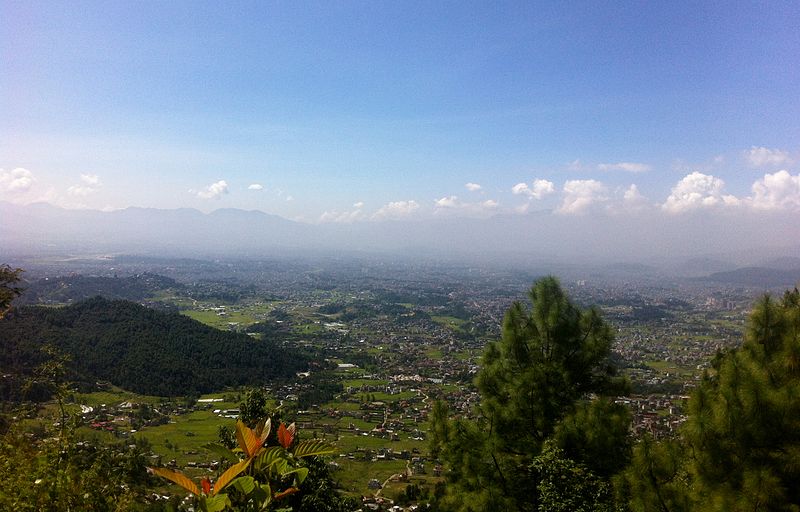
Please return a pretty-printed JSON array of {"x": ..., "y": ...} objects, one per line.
[{"x": 615, "y": 132}]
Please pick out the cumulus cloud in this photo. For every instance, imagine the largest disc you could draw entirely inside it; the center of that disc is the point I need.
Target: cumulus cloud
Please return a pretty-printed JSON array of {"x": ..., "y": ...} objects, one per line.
[
  {"x": 698, "y": 190},
  {"x": 625, "y": 167},
  {"x": 344, "y": 217},
  {"x": 396, "y": 210},
  {"x": 537, "y": 190},
  {"x": 454, "y": 204},
  {"x": 472, "y": 187},
  {"x": 765, "y": 157},
  {"x": 16, "y": 180},
  {"x": 214, "y": 191},
  {"x": 88, "y": 185},
  {"x": 448, "y": 202},
  {"x": 633, "y": 200},
  {"x": 256, "y": 186},
  {"x": 778, "y": 191},
  {"x": 90, "y": 180},
  {"x": 581, "y": 195}
]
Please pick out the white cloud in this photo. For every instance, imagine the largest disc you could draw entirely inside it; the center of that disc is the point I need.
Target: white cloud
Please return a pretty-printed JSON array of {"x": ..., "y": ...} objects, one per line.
[
  {"x": 472, "y": 187},
  {"x": 452, "y": 204},
  {"x": 89, "y": 185},
  {"x": 764, "y": 157},
  {"x": 214, "y": 191},
  {"x": 625, "y": 167},
  {"x": 520, "y": 188},
  {"x": 697, "y": 190},
  {"x": 91, "y": 180},
  {"x": 256, "y": 186},
  {"x": 542, "y": 188},
  {"x": 633, "y": 200},
  {"x": 344, "y": 217},
  {"x": 79, "y": 190},
  {"x": 16, "y": 180},
  {"x": 448, "y": 202},
  {"x": 289, "y": 198},
  {"x": 538, "y": 190},
  {"x": 580, "y": 195},
  {"x": 396, "y": 210},
  {"x": 632, "y": 195},
  {"x": 778, "y": 191}
]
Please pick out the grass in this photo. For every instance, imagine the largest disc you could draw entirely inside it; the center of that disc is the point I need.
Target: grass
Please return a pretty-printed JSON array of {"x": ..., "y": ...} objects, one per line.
[
  {"x": 449, "y": 321},
  {"x": 189, "y": 432},
  {"x": 356, "y": 474}
]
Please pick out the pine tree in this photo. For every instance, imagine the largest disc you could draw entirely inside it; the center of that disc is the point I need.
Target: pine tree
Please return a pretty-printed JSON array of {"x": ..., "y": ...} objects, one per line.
[
  {"x": 550, "y": 366},
  {"x": 744, "y": 419},
  {"x": 740, "y": 447}
]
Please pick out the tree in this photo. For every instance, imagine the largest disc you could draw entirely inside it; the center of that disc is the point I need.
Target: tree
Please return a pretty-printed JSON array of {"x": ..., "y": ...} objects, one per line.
[
  {"x": 744, "y": 420},
  {"x": 740, "y": 447},
  {"x": 548, "y": 375},
  {"x": 9, "y": 277}
]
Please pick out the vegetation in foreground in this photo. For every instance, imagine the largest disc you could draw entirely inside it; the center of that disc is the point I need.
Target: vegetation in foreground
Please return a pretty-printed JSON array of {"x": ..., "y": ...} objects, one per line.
[{"x": 547, "y": 436}]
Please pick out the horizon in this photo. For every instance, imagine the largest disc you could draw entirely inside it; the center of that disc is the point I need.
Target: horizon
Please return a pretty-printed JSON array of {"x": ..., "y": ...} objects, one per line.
[{"x": 354, "y": 112}]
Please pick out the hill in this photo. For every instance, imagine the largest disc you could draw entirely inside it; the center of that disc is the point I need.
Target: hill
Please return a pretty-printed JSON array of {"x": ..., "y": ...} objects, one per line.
[
  {"x": 137, "y": 348},
  {"x": 75, "y": 288},
  {"x": 759, "y": 277}
]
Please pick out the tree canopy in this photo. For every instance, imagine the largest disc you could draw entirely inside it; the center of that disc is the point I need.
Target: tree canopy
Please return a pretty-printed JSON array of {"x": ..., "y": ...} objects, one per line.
[
  {"x": 139, "y": 349},
  {"x": 549, "y": 378},
  {"x": 740, "y": 448}
]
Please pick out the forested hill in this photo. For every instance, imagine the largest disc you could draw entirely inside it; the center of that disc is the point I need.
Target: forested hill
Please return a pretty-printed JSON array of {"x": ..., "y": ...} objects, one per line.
[
  {"x": 138, "y": 349},
  {"x": 78, "y": 287}
]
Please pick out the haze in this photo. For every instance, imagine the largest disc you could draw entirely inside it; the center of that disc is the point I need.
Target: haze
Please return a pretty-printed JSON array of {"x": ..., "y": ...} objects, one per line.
[{"x": 568, "y": 132}]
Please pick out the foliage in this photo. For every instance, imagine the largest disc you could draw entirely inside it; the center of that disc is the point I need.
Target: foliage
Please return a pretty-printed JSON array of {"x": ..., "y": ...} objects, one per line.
[
  {"x": 138, "y": 349},
  {"x": 566, "y": 486},
  {"x": 548, "y": 378},
  {"x": 55, "y": 474},
  {"x": 50, "y": 468},
  {"x": 259, "y": 475},
  {"x": 740, "y": 448},
  {"x": 9, "y": 277}
]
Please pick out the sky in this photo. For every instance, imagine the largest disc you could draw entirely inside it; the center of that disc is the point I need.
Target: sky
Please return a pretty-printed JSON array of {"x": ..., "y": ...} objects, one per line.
[{"x": 367, "y": 111}]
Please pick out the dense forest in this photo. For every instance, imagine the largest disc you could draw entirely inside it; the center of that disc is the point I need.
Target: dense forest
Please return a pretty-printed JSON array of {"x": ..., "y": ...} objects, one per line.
[{"x": 138, "y": 349}]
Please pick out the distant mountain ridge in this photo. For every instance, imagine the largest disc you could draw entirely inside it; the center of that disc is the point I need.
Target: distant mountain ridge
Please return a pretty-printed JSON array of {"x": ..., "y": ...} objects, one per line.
[
  {"x": 138, "y": 349},
  {"x": 758, "y": 277},
  {"x": 597, "y": 238}
]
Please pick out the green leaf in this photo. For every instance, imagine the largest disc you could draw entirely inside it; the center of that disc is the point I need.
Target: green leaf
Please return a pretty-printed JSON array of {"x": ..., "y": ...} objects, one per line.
[
  {"x": 221, "y": 451},
  {"x": 300, "y": 474},
  {"x": 216, "y": 503},
  {"x": 310, "y": 447},
  {"x": 246, "y": 484},
  {"x": 265, "y": 488},
  {"x": 268, "y": 456}
]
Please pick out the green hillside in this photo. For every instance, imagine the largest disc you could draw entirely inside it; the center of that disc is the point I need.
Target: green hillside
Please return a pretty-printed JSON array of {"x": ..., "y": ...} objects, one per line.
[{"x": 138, "y": 349}]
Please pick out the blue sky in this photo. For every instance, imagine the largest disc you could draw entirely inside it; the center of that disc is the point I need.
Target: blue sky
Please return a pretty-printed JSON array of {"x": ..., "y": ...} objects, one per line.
[{"x": 395, "y": 107}]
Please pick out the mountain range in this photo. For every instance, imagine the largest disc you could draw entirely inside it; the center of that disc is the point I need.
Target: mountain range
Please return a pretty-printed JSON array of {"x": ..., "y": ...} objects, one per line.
[{"x": 652, "y": 237}]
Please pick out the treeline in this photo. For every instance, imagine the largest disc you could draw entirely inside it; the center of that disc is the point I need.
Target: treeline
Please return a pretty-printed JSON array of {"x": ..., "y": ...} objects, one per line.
[{"x": 136, "y": 348}]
